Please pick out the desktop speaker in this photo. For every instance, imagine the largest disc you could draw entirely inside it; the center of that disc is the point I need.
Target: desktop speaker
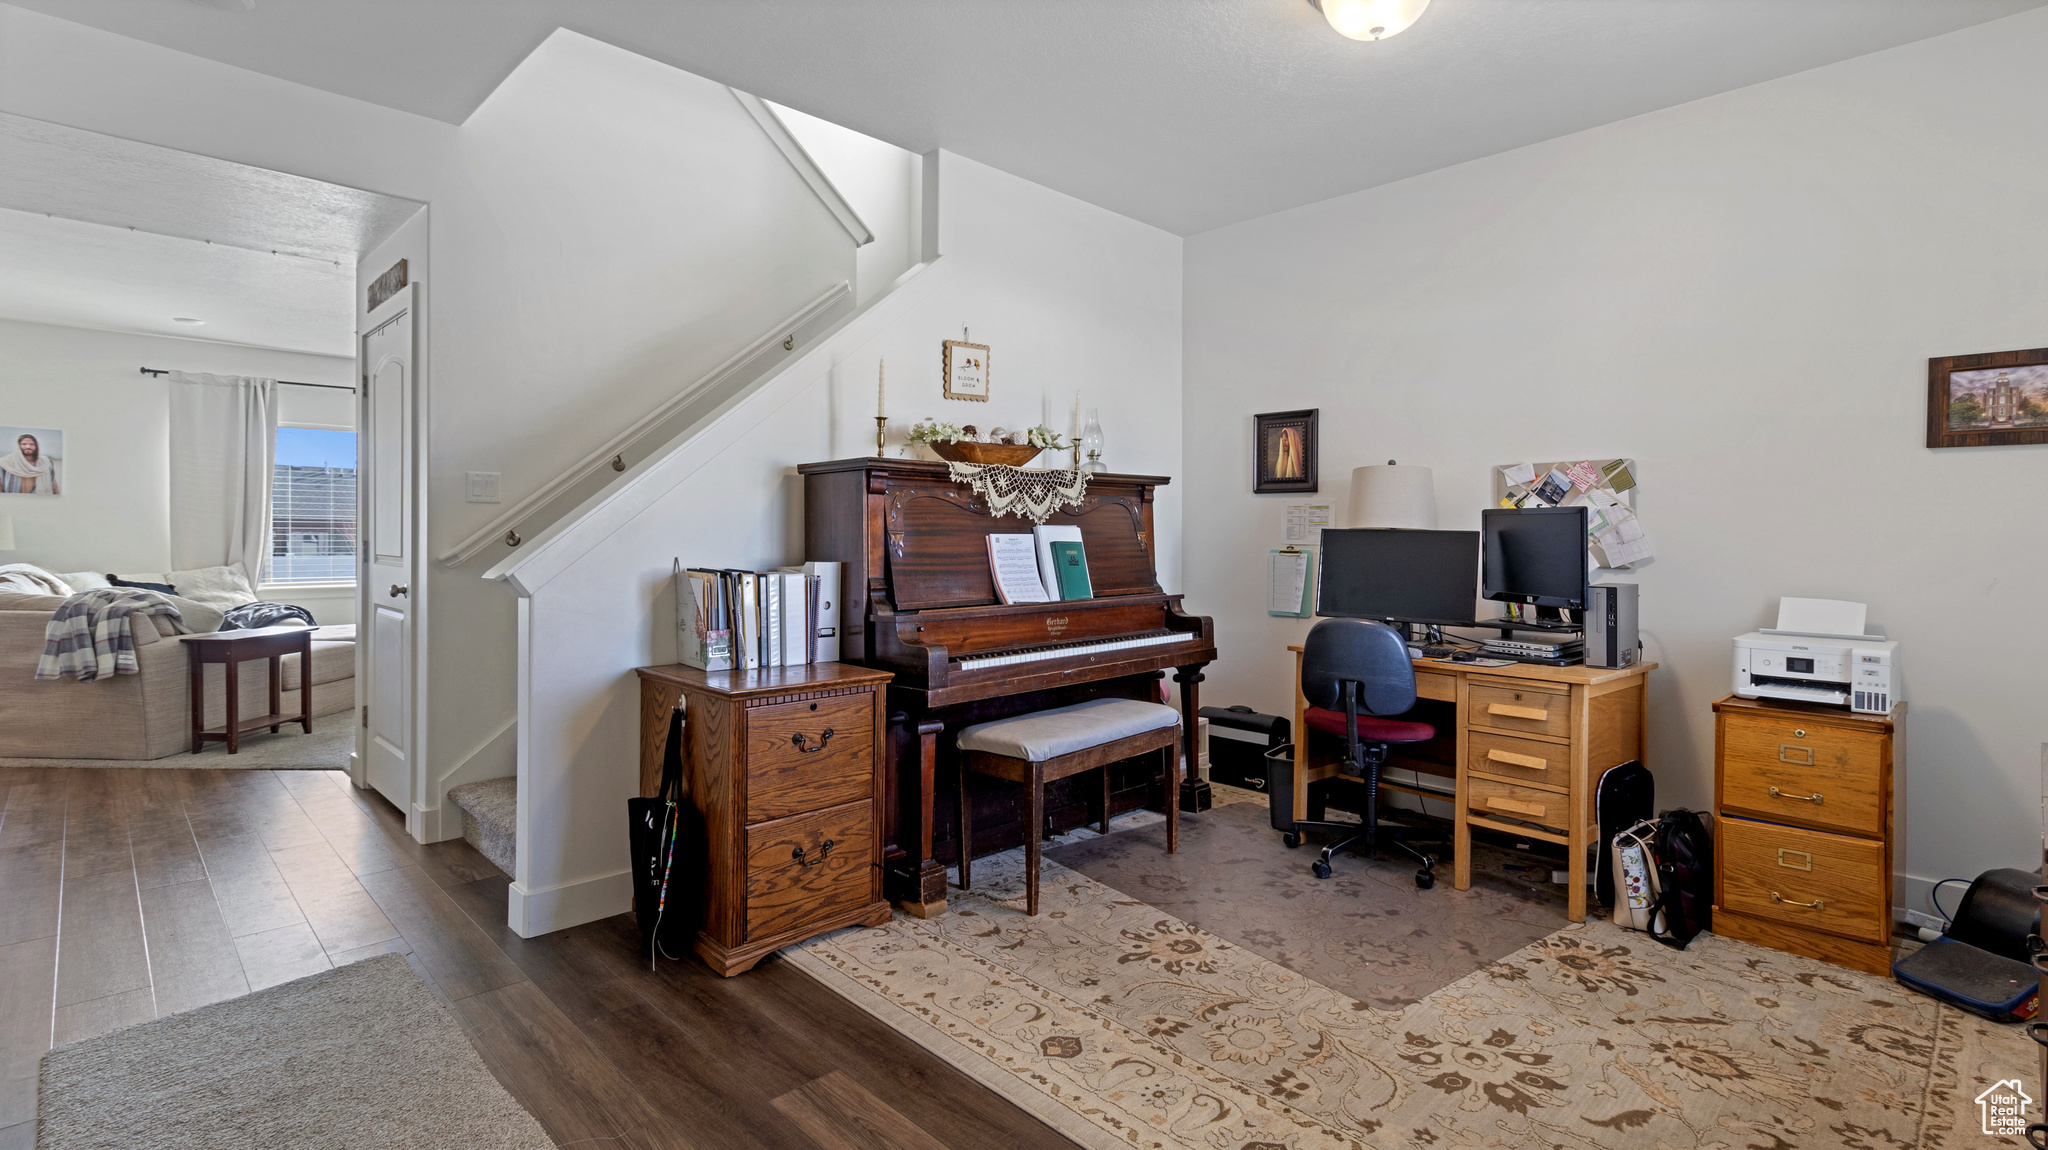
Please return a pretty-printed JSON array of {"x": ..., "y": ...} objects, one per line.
[{"x": 1611, "y": 639}]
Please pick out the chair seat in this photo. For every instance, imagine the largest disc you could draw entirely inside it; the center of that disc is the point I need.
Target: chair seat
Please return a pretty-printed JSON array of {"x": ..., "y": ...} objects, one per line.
[
  {"x": 1043, "y": 735},
  {"x": 1371, "y": 729}
]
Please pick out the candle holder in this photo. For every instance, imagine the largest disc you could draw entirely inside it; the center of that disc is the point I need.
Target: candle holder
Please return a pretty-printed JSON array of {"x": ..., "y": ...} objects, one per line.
[{"x": 881, "y": 434}]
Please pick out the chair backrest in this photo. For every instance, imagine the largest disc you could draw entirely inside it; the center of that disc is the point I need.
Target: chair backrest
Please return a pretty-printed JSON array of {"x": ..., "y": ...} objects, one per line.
[{"x": 1369, "y": 655}]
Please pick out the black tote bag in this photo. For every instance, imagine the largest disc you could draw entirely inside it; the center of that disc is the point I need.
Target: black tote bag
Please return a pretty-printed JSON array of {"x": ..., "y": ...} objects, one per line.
[{"x": 660, "y": 899}]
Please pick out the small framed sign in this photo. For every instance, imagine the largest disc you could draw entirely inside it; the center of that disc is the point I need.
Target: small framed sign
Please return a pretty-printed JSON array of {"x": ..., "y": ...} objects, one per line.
[
  {"x": 1986, "y": 400},
  {"x": 1286, "y": 445},
  {"x": 966, "y": 370}
]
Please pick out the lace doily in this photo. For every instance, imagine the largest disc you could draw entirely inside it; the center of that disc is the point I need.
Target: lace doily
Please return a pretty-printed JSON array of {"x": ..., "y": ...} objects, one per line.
[{"x": 1028, "y": 494}]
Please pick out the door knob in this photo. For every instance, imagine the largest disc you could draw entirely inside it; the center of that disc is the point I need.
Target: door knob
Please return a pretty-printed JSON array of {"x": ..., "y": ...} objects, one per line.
[{"x": 398, "y": 589}]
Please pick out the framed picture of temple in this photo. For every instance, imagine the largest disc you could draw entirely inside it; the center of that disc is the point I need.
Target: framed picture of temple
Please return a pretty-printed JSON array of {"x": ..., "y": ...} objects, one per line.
[
  {"x": 1286, "y": 442},
  {"x": 31, "y": 461},
  {"x": 1989, "y": 399}
]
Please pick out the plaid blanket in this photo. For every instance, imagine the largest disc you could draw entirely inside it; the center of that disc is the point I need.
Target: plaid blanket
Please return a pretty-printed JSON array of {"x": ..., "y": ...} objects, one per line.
[{"x": 92, "y": 634}]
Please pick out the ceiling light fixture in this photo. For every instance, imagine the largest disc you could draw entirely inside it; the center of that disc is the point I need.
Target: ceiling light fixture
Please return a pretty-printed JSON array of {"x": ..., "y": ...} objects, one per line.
[
  {"x": 1370, "y": 19},
  {"x": 187, "y": 319}
]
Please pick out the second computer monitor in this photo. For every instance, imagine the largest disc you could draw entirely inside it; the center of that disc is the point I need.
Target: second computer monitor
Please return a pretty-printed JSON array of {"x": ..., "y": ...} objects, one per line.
[
  {"x": 1536, "y": 555},
  {"x": 1399, "y": 576}
]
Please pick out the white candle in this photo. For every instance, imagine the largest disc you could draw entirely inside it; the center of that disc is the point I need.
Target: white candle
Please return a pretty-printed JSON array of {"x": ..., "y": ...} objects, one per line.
[
  {"x": 1045, "y": 407},
  {"x": 881, "y": 388}
]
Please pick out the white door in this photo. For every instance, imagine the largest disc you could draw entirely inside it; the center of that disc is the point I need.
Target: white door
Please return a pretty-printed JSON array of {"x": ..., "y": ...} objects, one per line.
[{"x": 387, "y": 359}]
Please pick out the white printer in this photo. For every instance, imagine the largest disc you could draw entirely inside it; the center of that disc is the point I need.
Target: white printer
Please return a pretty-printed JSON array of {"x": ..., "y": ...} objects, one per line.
[{"x": 1818, "y": 653}]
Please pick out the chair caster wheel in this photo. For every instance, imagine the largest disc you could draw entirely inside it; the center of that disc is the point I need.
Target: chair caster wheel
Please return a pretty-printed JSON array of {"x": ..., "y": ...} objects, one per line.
[
  {"x": 1321, "y": 868},
  {"x": 1291, "y": 839},
  {"x": 1424, "y": 880}
]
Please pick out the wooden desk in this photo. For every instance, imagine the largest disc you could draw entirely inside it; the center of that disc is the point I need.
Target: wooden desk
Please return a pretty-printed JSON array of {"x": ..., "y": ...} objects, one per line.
[{"x": 1528, "y": 748}]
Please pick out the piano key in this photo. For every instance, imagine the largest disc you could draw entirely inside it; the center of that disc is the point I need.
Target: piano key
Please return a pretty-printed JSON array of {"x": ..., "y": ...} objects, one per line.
[{"x": 1070, "y": 650}]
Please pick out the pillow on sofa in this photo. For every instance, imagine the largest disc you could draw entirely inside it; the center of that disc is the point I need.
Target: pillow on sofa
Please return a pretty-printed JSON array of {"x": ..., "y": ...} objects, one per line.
[
  {"x": 222, "y": 588},
  {"x": 84, "y": 580}
]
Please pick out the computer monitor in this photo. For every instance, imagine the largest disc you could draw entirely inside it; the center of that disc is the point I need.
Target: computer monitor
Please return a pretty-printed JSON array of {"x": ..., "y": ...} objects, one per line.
[
  {"x": 1396, "y": 576},
  {"x": 1535, "y": 555}
]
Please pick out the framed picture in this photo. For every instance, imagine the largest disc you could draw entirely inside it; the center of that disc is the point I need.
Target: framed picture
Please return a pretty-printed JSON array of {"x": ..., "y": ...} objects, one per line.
[
  {"x": 966, "y": 370},
  {"x": 1287, "y": 452},
  {"x": 31, "y": 461},
  {"x": 1985, "y": 400}
]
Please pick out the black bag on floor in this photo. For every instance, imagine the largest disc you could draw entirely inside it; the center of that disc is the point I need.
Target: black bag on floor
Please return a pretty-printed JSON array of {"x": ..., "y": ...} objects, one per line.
[
  {"x": 1627, "y": 795},
  {"x": 1685, "y": 870},
  {"x": 659, "y": 897}
]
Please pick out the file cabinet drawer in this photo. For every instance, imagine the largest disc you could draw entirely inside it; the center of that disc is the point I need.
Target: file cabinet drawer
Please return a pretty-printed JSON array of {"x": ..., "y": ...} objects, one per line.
[
  {"x": 1802, "y": 878},
  {"x": 1537, "y": 764},
  {"x": 1519, "y": 707},
  {"x": 1787, "y": 768},
  {"x": 809, "y": 755},
  {"x": 809, "y": 869}
]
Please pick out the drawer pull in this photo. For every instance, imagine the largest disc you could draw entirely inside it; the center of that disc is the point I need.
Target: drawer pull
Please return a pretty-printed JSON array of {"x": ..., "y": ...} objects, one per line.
[
  {"x": 1816, "y": 904},
  {"x": 1534, "y": 714},
  {"x": 1515, "y": 760},
  {"x": 797, "y": 853},
  {"x": 1805, "y": 862},
  {"x": 1519, "y": 808},
  {"x": 1813, "y": 798},
  {"x": 800, "y": 739},
  {"x": 1787, "y": 750}
]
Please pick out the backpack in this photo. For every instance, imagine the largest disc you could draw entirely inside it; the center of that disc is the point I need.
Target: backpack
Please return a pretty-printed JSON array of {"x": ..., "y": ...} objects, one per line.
[{"x": 1685, "y": 878}]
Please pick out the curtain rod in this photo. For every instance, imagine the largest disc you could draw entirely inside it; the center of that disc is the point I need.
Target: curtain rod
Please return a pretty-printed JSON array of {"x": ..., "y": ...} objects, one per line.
[{"x": 153, "y": 371}]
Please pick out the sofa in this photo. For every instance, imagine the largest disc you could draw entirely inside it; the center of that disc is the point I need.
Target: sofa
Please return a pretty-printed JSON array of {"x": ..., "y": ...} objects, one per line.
[{"x": 148, "y": 715}]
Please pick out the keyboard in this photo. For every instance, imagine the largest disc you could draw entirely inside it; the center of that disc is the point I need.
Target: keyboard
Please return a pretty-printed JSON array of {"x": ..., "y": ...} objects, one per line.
[
  {"x": 1070, "y": 650},
  {"x": 1437, "y": 652}
]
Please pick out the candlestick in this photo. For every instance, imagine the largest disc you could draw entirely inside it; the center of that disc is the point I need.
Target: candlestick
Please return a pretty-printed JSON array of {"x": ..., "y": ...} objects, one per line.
[
  {"x": 881, "y": 388},
  {"x": 881, "y": 433}
]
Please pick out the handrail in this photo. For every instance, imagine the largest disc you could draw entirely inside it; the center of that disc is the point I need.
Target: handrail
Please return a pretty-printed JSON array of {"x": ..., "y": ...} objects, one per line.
[
  {"x": 783, "y": 333},
  {"x": 785, "y": 141}
]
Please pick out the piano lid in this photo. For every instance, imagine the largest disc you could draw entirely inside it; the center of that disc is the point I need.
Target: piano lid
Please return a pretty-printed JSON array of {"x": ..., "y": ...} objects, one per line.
[{"x": 937, "y": 552}]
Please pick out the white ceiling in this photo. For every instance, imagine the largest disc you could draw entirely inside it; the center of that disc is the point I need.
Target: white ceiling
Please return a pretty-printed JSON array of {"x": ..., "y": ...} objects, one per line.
[{"x": 1188, "y": 114}]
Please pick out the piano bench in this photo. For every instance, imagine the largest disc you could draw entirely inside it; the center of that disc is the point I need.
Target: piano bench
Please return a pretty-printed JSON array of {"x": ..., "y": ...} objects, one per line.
[{"x": 1046, "y": 746}]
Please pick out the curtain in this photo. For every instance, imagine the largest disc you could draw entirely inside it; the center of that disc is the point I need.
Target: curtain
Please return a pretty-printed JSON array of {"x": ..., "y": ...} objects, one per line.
[{"x": 223, "y": 439}]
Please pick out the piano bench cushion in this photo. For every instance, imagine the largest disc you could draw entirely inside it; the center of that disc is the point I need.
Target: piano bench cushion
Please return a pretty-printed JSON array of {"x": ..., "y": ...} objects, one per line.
[
  {"x": 1043, "y": 735},
  {"x": 1370, "y": 730}
]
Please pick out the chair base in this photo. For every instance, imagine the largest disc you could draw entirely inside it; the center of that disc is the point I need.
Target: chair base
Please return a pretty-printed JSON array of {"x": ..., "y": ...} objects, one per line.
[{"x": 1353, "y": 835}]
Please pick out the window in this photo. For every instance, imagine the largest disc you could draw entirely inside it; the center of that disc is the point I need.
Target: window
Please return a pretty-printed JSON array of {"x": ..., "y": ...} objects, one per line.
[{"x": 313, "y": 507}]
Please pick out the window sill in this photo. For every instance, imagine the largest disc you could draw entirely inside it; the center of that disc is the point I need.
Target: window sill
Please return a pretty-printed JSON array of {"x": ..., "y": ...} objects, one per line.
[{"x": 272, "y": 591}]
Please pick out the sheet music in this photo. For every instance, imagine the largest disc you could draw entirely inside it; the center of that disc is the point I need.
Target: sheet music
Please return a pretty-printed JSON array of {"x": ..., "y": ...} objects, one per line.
[{"x": 1013, "y": 562}]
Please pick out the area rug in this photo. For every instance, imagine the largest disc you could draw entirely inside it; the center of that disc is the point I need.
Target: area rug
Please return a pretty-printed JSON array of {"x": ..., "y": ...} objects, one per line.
[
  {"x": 327, "y": 749},
  {"x": 360, "y": 1056},
  {"x": 1121, "y": 1025}
]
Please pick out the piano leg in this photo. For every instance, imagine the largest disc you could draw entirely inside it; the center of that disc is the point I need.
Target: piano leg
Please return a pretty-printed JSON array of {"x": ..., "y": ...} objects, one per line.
[
  {"x": 1194, "y": 789},
  {"x": 921, "y": 886}
]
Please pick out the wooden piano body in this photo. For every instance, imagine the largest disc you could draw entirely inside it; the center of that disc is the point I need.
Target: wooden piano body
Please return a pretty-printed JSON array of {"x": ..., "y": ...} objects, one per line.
[{"x": 918, "y": 600}]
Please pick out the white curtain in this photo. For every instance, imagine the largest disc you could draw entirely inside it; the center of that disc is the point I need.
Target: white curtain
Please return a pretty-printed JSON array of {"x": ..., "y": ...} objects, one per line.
[{"x": 223, "y": 439}]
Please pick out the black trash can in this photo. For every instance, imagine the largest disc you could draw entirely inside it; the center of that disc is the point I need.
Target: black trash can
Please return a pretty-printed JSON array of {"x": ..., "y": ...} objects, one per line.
[{"x": 1280, "y": 790}]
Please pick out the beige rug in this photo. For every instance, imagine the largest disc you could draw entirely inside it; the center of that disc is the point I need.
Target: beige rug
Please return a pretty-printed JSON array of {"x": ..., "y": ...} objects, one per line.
[
  {"x": 327, "y": 749},
  {"x": 362, "y": 1056},
  {"x": 1123, "y": 1026}
]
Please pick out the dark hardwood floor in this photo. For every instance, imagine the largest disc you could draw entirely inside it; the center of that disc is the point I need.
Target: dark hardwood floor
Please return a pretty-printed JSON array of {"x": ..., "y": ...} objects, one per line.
[{"x": 127, "y": 895}]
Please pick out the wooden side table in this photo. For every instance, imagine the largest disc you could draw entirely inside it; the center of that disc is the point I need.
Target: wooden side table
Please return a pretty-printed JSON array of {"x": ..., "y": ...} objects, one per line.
[{"x": 233, "y": 648}]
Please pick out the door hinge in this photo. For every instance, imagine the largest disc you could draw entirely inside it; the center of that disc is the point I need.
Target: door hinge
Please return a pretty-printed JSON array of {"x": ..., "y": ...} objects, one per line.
[{"x": 366, "y": 716}]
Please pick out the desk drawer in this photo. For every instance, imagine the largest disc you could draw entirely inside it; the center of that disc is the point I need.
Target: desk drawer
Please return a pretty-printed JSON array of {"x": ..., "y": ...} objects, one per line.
[
  {"x": 806, "y": 869},
  {"x": 1505, "y": 800},
  {"x": 1546, "y": 765},
  {"x": 809, "y": 755},
  {"x": 1823, "y": 882},
  {"x": 1516, "y": 707},
  {"x": 1781, "y": 768}
]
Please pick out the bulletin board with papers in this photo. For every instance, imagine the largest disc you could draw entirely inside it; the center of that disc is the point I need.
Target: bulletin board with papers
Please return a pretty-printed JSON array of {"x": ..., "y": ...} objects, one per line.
[{"x": 1615, "y": 537}]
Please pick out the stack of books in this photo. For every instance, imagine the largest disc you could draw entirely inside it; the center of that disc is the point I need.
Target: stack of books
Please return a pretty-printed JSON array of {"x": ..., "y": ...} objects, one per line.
[{"x": 731, "y": 620}]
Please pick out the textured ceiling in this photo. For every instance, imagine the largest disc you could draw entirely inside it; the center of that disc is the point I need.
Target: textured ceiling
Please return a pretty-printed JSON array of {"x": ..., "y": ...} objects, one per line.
[{"x": 1187, "y": 114}]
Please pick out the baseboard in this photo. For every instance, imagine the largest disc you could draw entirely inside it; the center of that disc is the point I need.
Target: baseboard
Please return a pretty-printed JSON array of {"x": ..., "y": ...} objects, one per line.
[
  {"x": 435, "y": 824},
  {"x": 531, "y": 913}
]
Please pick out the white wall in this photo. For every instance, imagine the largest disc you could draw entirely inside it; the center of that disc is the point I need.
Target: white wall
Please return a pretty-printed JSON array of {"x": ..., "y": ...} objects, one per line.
[
  {"x": 114, "y": 514},
  {"x": 1068, "y": 296},
  {"x": 1742, "y": 293},
  {"x": 880, "y": 181}
]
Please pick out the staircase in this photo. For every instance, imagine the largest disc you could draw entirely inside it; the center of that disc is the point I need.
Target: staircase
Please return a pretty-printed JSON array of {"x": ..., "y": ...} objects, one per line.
[{"x": 490, "y": 811}]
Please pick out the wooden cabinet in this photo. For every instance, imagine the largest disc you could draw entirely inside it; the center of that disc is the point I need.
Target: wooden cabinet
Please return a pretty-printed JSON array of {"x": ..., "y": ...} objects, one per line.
[
  {"x": 783, "y": 769},
  {"x": 1809, "y": 854}
]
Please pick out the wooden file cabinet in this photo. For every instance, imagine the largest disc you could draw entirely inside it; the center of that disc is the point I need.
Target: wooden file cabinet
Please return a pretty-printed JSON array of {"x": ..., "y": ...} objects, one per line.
[
  {"x": 1809, "y": 854},
  {"x": 783, "y": 767}
]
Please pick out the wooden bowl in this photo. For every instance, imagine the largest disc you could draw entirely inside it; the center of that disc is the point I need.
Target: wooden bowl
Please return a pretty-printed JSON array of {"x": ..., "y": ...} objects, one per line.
[{"x": 1005, "y": 454}]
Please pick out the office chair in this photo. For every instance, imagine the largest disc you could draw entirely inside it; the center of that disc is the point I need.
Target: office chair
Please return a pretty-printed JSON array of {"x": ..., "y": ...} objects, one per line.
[{"x": 1352, "y": 672}]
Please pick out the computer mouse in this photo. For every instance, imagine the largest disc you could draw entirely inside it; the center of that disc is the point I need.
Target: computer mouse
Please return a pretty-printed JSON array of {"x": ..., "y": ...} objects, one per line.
[{"x": 1464, "y": 657}]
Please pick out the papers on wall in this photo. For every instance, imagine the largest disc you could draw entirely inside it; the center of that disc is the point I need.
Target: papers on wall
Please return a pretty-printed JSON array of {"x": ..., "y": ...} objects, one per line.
[
  {"x": 1519, "y": 474},
  {"x": 1305, "y": 522},
  {"x": 1291, "y": 582},
  {"x": 1614, "y": 536},
  {"x": 1013, "y": 563},
  {"x": 1822, "y": 616}
]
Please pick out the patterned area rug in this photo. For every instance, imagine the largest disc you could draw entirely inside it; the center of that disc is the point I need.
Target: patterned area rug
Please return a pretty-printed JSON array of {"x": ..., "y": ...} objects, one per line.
[{"x": 1122, "y": 1025}]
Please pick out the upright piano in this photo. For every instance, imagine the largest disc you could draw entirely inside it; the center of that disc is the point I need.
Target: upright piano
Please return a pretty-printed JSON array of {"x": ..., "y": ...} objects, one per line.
[{"x": 917, "y": 599}]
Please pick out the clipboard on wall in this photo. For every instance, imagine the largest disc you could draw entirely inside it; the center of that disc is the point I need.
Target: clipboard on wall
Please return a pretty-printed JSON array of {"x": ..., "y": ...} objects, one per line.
[{"x": 1291, "y": 582}]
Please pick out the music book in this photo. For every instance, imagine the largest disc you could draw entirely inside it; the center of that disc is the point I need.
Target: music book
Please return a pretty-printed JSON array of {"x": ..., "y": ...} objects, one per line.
[
  {"x": 1070, "y": 560},
  {"x": 1045, "y": 537},
  {"x": 1013, "y": 564}
]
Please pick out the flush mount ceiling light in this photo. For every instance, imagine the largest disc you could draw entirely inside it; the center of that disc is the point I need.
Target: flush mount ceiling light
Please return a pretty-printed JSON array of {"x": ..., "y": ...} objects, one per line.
[
  {"x": 1370, "y": 19},
  {"x": 187, "y": 319}
]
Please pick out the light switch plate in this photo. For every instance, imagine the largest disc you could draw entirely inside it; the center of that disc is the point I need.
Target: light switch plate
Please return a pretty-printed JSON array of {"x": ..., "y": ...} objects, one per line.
[{"x": 483, "y": 486}]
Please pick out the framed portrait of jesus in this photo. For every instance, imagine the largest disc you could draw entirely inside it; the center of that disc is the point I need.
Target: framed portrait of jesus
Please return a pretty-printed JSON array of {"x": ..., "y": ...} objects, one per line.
[{"x": 1286, "y": 445}]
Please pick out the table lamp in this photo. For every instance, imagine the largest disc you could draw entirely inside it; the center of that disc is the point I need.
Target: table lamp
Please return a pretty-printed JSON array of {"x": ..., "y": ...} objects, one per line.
[{"x": 1391, "y": 496}]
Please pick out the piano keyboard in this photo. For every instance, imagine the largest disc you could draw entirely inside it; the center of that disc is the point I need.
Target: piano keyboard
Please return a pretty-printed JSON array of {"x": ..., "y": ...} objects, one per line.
[{"x": 1069, "y": 650}]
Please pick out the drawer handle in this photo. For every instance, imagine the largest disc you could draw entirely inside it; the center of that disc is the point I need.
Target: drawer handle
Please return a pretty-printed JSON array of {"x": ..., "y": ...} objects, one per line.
[
  {"x": 797, "y": 854},
  {"x": 1515, "y": 760},
  {"x": 1787, "y": 750},
  {"x": 1806, "y": 863},
  {"x": 800, "y": 739},
  {"x": 1519, "y": 808},
  {"x": 1537, "y": 714},
  {"x": 1816, "y": 904},
  {"x": 1813, "y": 798}
]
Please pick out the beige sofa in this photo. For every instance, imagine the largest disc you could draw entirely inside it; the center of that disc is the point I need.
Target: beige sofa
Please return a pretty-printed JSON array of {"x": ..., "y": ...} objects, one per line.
[{"x": 146, "y": 715}]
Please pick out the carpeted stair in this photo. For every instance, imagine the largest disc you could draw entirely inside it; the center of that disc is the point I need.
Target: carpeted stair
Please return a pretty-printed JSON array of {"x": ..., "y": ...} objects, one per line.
[{"x": 490, "y": 811}]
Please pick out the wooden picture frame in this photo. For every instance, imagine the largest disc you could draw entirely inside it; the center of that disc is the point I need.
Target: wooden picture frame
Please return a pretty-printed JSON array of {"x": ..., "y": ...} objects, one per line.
[
  {"x": 1986, "y": 400},
  {"x": 965, "y": 370},
  {"x": 1285, "y": 444}
]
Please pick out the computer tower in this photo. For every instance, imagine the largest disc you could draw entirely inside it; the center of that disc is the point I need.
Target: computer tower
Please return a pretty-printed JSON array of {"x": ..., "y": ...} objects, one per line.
[{"x": 1611, "y": 639}]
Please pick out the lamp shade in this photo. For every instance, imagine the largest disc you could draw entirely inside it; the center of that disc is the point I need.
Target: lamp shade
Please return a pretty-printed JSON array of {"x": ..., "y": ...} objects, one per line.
[
  {"x": 6, "y": 533},
  {"x": 1392, "y": 496}
]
